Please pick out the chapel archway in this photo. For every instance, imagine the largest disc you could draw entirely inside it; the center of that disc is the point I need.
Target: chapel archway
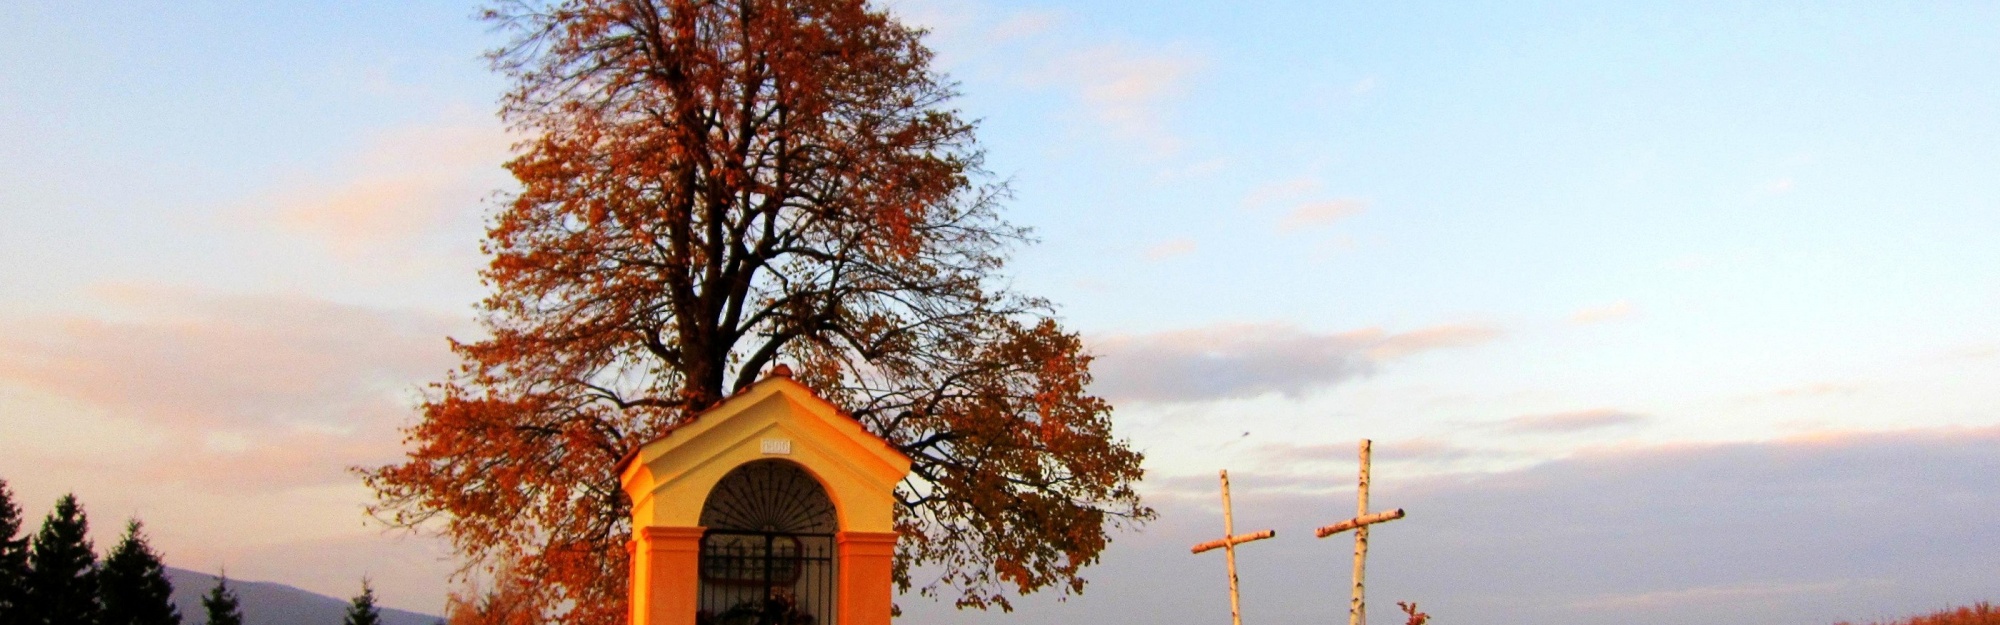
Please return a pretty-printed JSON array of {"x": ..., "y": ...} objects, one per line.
[
  {"x": 773, "y": 501},
  {"x": 768, "y": 553}
]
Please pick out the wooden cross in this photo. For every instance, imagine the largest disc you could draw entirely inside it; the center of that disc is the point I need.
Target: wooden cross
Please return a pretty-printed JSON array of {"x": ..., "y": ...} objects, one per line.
[
  {"x": 1357, "y": 610},
  {"x": 1230, "y": 539}
]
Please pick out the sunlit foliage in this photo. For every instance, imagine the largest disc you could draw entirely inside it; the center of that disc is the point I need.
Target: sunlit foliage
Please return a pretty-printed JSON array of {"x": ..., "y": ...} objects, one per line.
[
  {"x": 1981, "y": 613},
  {"x": 712, "y": 188}
]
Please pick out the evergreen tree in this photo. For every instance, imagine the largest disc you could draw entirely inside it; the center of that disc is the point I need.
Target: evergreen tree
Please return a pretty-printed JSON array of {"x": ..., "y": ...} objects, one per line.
[
  {"x": 62, "y": 587},
  {"x": 13, "y": 561},
  {"x": 133, "y": 584},
  {"x": 220, "y": 602},
  {"x": 362, "y": 611}
]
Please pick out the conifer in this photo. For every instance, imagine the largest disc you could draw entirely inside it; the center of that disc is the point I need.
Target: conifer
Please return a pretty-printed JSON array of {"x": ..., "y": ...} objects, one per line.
[
  {"x": 62, "y": 585},
  {"x": 363, "y": 611},
  {"x": 133, "y": 584},
  {"x": 220, "y": 603},
  {"x": 13, "y": 561}
]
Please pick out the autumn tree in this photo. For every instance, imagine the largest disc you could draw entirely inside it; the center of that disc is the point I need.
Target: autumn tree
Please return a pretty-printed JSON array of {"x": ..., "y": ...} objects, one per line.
[
  {"x": 708, "y": 189},
  {"x": 505, "y": 601}
]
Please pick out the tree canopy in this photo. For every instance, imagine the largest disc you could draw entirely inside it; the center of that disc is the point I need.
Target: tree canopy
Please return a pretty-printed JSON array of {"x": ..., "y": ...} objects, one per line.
[
  {"x": 62, "y": 582},
  {"x": 708, "y": 189},
  {"x": 361, "y": 609},
  {"x": 13, "y": 561},
  {"x": 133, "y": 584},
  {"x": 221, "y": 605}
]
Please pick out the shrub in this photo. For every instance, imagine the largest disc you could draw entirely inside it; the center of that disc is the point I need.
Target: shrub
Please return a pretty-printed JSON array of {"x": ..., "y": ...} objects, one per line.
[{"x": 1981, "y": 613}]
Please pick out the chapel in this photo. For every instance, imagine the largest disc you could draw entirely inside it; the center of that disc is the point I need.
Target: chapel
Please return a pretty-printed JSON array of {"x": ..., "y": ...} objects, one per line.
[{"x": 772, "y": 508}]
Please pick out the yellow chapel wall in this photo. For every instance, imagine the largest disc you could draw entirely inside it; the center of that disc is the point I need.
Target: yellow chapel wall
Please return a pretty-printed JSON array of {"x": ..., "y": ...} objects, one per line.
[{"x": 694, "y": 458}]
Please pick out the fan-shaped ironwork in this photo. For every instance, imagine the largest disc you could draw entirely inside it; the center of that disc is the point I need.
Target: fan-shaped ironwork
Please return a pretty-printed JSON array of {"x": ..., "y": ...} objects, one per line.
[
  {"x": 768, "y": 555},
  {"x": 769, "y": 496}
]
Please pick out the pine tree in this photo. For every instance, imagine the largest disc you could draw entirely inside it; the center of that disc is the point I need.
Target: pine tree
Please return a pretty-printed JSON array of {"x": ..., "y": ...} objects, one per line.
[
  {"x": 362, "y": 611},
  {"x": 221, "y": 604},
  {"x": 13, "y": 561},
  {"x": 62, "y": 587},
  {"x": 133, "y": 584}
]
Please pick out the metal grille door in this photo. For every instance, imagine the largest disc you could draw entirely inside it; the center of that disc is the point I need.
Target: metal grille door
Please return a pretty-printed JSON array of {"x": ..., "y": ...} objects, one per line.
[
  {"x": 768, "y": 556},
  {"x": 766, "y": 578}
]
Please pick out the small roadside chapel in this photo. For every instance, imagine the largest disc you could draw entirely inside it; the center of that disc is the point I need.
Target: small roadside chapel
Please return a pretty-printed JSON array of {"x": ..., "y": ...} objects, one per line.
[{"x": 773, "y": 507}]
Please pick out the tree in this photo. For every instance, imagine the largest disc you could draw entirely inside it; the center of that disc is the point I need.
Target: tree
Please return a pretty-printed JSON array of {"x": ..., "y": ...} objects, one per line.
[
  {"x": 712, "y": 188},
  {"x": 362, "y": 610},
  {"x": 506, "y": 602},
  {"x": 133, "y": 586},
  {"x": 62, "y": 587},
  {"x": 220, "y": 603},
  {"x": 13, "y": 561}
]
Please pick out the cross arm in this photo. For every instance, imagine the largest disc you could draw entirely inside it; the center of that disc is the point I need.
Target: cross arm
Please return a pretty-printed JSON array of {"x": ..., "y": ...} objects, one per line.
[
  {"x": 1234, "y": 540},
  {"x": 1360, "y": 521}
]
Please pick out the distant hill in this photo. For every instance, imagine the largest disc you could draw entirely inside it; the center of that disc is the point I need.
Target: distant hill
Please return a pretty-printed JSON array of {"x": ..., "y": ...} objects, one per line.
[{"x": 265, "y": 603}]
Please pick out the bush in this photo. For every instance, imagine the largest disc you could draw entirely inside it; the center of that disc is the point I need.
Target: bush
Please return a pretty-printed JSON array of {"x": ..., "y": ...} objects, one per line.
[{"x": 1981, "y": 613}]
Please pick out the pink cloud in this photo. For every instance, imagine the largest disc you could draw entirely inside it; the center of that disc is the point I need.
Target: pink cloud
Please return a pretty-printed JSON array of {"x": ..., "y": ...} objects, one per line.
[
  {"x": 1235, "y": 361},
  {"x": 1432, "y": 338},
  {"x": 406, "y": 185},
  {"x": 1429, "y": 451},
  {"x": 257, "y": 390},
  {"x": 1280, "y": 191},
  {"x": 1777, "y": 531},
  {"x": 1171, "y": 248},
  {"x": 1312, "y": 214},
  {"x": 1124, "y": 89},
  {"x": 1818, "y": 389},
  {"x": 1731, "y": 593},
  {"x": 1620, "y": 309},
  {"x": 1567, "y": 422}
]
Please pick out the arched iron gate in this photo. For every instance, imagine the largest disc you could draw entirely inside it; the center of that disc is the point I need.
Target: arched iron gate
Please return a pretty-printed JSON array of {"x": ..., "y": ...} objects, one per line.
[
  {"x": 766, "y": 578},
  {"x": 769, "y": 555}
]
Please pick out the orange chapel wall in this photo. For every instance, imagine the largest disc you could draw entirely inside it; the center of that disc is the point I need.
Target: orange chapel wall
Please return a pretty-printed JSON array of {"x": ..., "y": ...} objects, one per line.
[{"x": 669, "y": 480}]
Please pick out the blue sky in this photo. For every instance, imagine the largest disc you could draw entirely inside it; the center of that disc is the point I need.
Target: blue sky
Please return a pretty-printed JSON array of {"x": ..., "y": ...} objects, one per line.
[{"x": 1505, "y": 240}]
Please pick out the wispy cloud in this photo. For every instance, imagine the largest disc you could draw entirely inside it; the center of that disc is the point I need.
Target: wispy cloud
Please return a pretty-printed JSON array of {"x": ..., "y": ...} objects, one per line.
[
  {"x": 253, "y": 390},
  {"x": 1775, "y": 531},
  {"x": 1311, "y": 214},
  {"x": 1391, "y": 346},
  {"x": 403, "y": 187},
  {"x": 1281, "y": 191},
  {"x": 1429, "y": 451},
  {"x": 1654, "y": 599},
  {"x": 1974, "y": 352},
  {"x": 1614, "y": 311},
  {"x": 1169, "y": 249},
  {"x": 1569, "y": 422},
  {"x": 1122, "y": 89},
  {"x": 1304, "y": 202},
  {"x": 1818, "y": 389},
  {"x": 1236, "y": 361},
  {"x": 1125, "y": 88}
]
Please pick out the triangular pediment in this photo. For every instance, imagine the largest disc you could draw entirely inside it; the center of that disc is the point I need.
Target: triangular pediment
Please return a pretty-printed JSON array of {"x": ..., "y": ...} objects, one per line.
[{"x": 776, "y": 418}]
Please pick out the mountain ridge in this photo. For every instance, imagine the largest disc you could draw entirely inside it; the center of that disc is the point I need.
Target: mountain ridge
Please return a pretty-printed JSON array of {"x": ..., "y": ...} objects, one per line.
[{"x": 271, "y": 603}]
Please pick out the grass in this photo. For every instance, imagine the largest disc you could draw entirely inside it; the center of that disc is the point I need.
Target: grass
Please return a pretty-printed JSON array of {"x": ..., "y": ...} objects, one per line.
[{"x": 1981, "y": 613}]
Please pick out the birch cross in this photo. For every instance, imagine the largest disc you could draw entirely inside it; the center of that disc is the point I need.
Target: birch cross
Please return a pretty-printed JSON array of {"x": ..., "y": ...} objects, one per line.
[
  {"x": 1230, "y": 539},
  {"x": 1357, "y": 610}
]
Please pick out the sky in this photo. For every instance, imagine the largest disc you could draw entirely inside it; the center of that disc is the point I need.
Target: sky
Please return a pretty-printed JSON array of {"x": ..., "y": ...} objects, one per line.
[{"x": 1657, "y": 311}]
